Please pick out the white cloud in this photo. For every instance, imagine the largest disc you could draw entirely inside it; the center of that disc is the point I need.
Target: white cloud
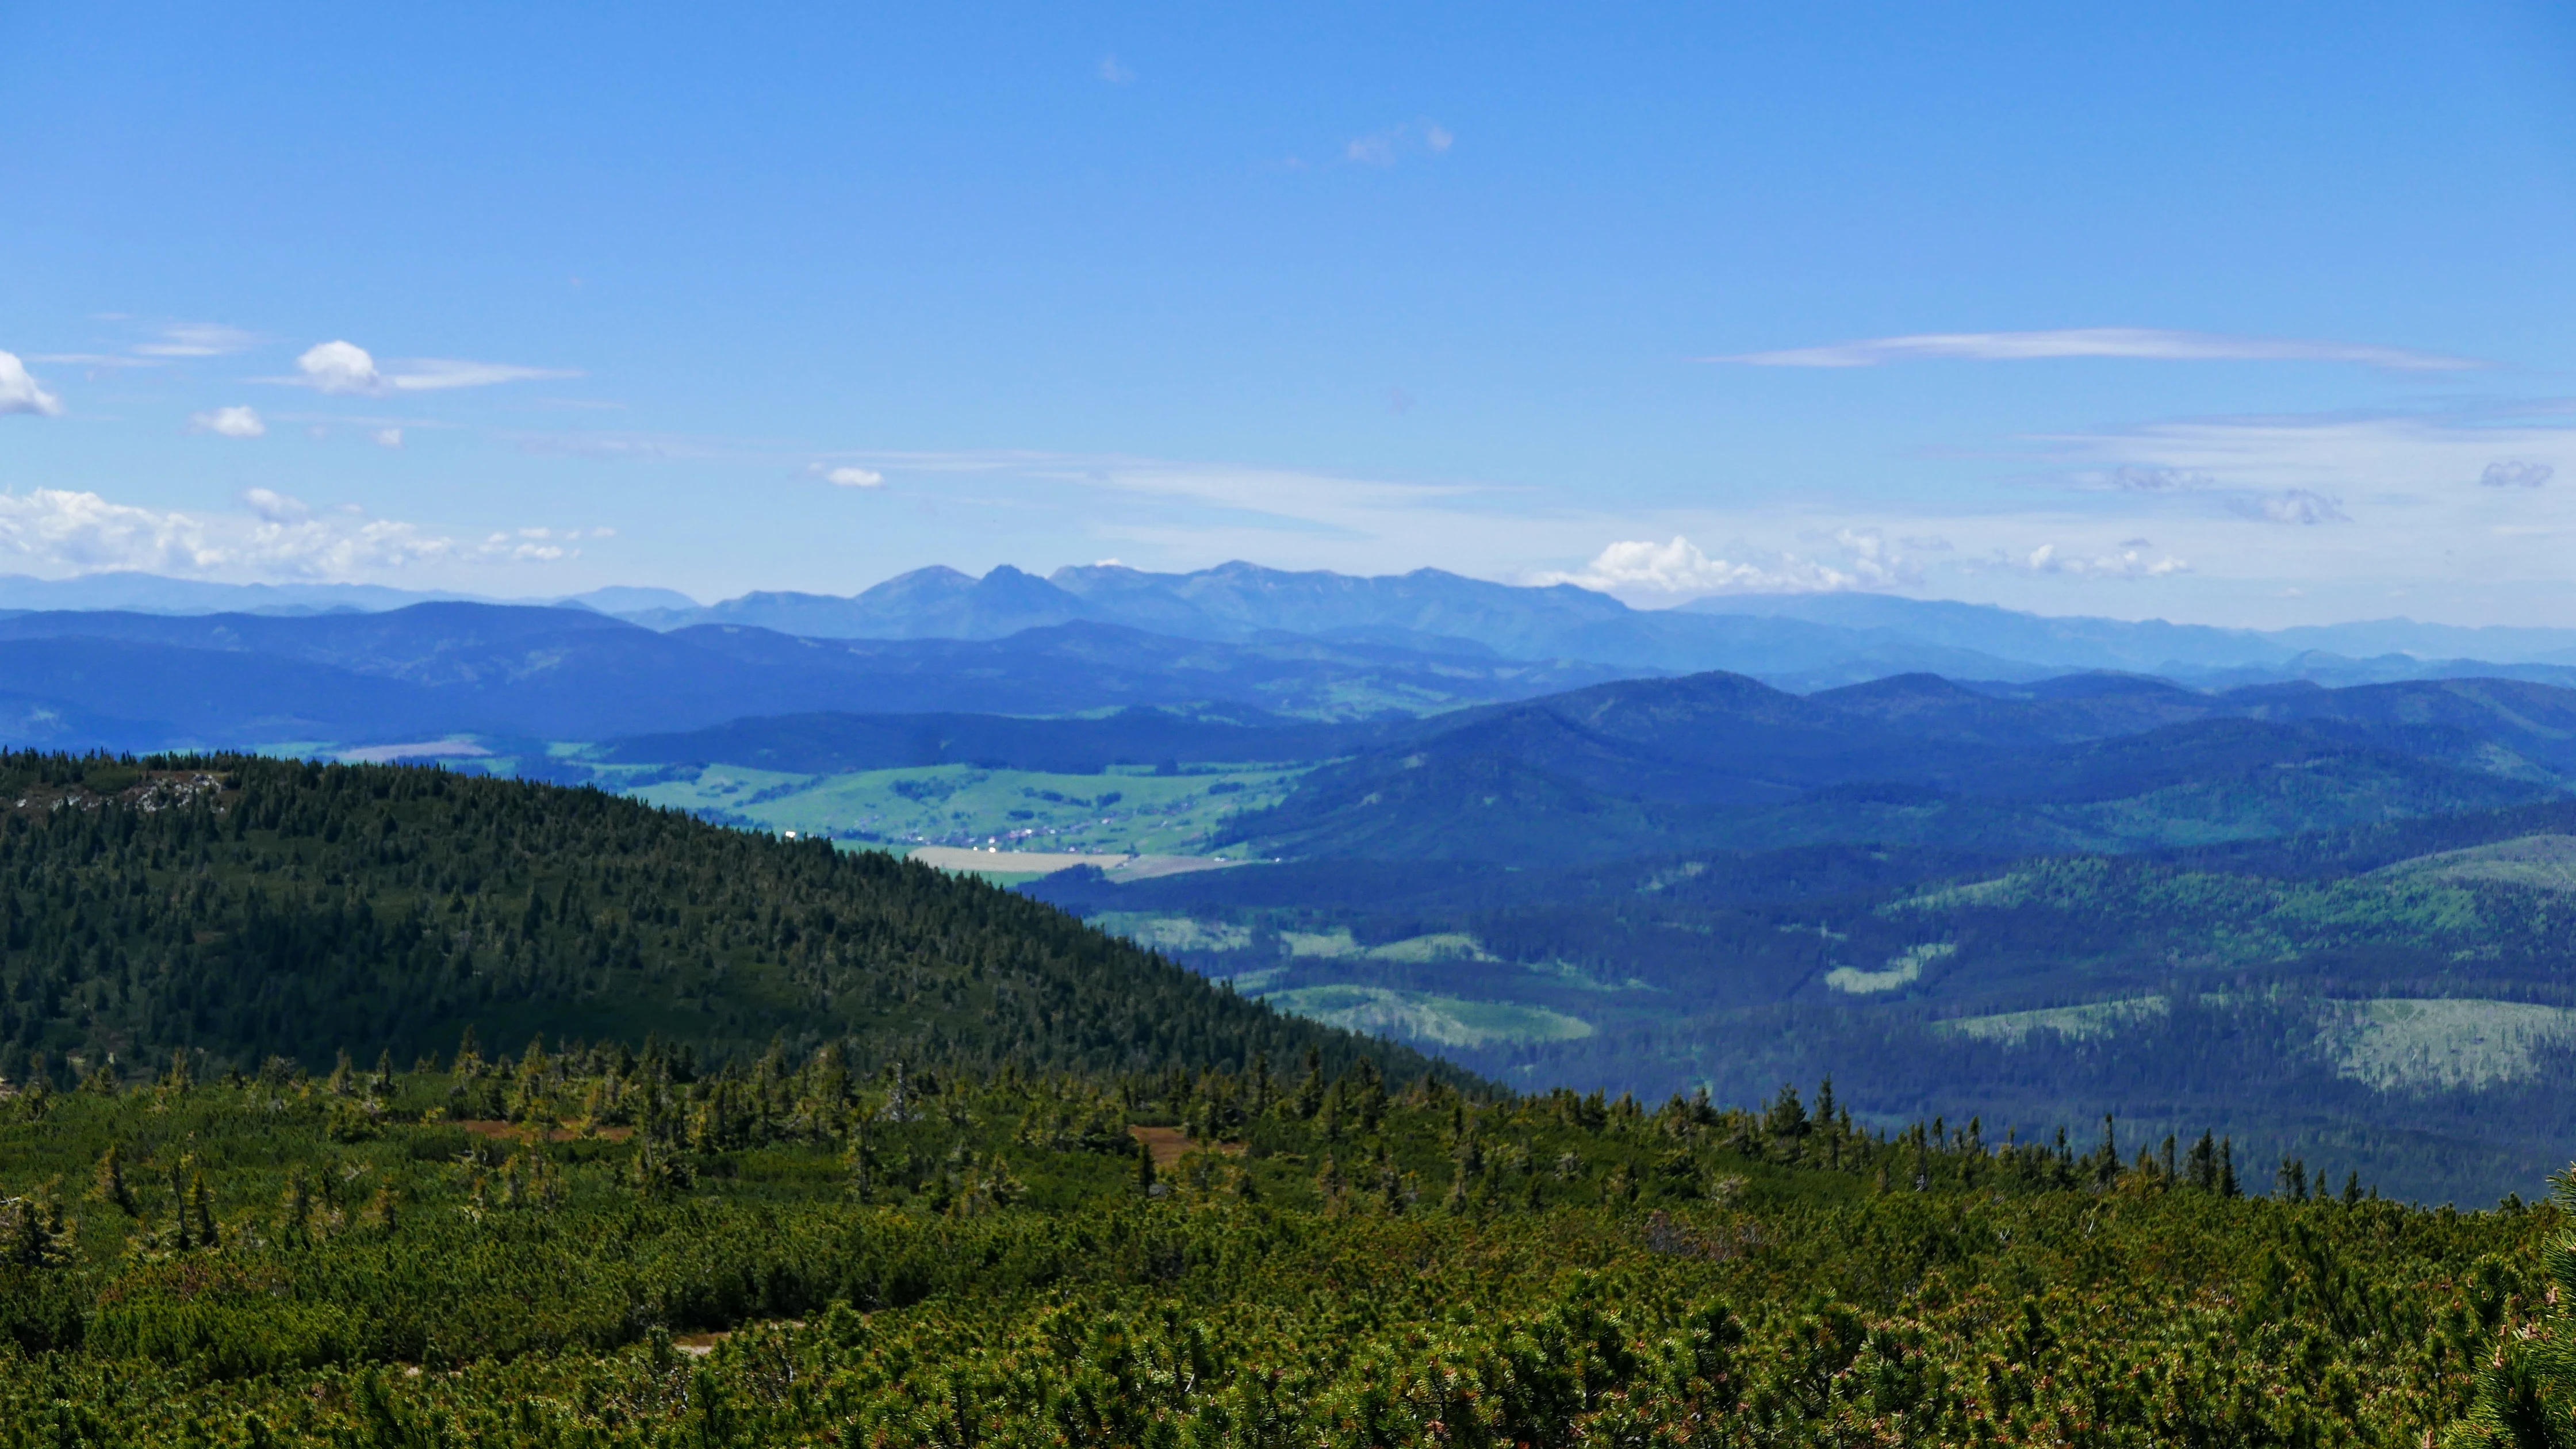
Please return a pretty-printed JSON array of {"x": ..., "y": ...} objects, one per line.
[
  {"x": 341, "y": 367},
  {"x": 437, "y": 374},
  {"x": 2130, "y": 562},
  {"x": 275, "y": 507},
  {"x": 1385, "y": 148},
  {"x": 198, "y": 339},
  {"x": 56, "y": 532},
  {"x": 1642, "y": 568},
  {"x": 529, "y": 545},
  {"x": 345, "y": 367},
  {"x": 83, "y": 532},
  {"x": 2516, "y": 473},
  {"x": 387, "y": 437},
  {"x": 229, "y": 423},
  {"x": 1114, "y": 73},
  {"x": 2129, "y": 478},
  {"x": 848, "y": 477},
  {"x": 19, "y": 392},
  {"x": 334, "y": 548},
  {"x": 2293, "y": 505},
  {"x": 2142, "y": 343}
]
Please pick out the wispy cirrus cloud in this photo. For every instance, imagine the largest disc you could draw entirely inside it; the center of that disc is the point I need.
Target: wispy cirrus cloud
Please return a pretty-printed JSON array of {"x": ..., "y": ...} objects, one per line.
[
  {"x": 1413, "y": 138},
  {"x": 346, "y": 369},
  {"x": 2412, "y": 455},
  {"x": 2153, "y": 344},
  {"x": 163, "y": 344},
  {"x": 197, "y": 339}
]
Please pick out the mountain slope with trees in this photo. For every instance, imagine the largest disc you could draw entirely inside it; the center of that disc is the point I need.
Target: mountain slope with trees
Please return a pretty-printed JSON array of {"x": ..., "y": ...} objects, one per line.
[{"x": 237, "y": 908}]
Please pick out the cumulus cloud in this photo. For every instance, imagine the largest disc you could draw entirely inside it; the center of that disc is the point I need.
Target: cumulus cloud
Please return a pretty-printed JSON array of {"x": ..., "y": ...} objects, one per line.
[
  {"x": 2293, "y": 505},
  {"x": 2130, "y": 562},
  {"x": 2139, "y": 343},
  {"x": 275, "y": 507},
  {"x": 341, "y": 367},
  {"x": 339, "y": 547},
  {"x": 2516, "y": 473},
  {"x": 84, "y": 532},
  {"x": 273, "y": 536},
  {"x": 229, "y": 423},
  {"x": 19, "y": 392},
  {"x": 387, "y": 437},
  {"x": 524, "y": 548},
  {"x": 346, "y": 368},
  {"x": 1680, "y": 569},
  {"x": 848, "y": 477}
]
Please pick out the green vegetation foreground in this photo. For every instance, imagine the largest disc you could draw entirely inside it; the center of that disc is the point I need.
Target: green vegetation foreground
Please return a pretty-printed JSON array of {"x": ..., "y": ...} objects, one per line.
[{"x": 592, "y": 1247}]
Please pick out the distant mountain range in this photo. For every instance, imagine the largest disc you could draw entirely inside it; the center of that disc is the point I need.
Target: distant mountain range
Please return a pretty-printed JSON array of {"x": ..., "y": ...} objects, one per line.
[
  {"x": 154, "y": 594},
  {"x": 1803, "y": 641},
  {"x": 148, "y": 662},
  {"x": 156, "y": 681}
]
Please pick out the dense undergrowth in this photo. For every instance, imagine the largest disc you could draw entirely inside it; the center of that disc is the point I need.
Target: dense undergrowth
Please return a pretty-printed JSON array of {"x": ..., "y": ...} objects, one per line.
[{"x": 596, "y": 1247}]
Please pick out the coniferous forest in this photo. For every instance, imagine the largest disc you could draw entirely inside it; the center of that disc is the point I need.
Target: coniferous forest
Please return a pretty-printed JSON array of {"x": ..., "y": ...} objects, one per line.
[{"x": 378, "y": 1106}]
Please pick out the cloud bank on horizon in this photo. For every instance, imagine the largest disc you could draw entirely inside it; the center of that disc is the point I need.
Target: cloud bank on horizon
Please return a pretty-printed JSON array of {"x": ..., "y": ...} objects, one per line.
[{"x": 1194, "y": 288}]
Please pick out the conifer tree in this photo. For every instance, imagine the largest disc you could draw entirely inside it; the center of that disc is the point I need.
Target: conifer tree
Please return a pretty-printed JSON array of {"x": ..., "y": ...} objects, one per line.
[{"x": 112, "y": 1187}]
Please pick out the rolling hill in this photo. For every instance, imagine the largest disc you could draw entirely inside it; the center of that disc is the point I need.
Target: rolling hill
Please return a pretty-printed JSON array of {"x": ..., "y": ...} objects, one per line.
[
  {"x": 2108, "y": 763},
  {"x": 240, "y": 908}
]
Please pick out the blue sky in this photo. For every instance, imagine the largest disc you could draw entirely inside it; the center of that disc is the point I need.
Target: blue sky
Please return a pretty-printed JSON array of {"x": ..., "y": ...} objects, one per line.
[{"x": 2252, "y": 314}]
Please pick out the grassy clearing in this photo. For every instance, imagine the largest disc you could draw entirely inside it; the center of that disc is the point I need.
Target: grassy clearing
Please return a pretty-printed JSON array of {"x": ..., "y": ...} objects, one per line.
[
  {"x": 2075, "y": 1023},
  {"x": 1422, "y": 1017},
  {"x": 2543, "y": 862},
  {"x": 2416, "y": 1043},
  {"x": 1121, "y": 812},
  {"x": 1903, "y": 969}
]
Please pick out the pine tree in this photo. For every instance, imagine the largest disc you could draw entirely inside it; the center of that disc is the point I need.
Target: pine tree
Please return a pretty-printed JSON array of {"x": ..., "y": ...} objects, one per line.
[
  {"x": 112, "y": 1187},
  {"x": 201, "y": 1210}
]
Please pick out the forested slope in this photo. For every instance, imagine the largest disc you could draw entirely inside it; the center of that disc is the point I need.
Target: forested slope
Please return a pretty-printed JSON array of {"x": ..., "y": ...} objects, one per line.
[
  {"x": 594, "y": 1248},
  {"x": 239, "y": 908}
]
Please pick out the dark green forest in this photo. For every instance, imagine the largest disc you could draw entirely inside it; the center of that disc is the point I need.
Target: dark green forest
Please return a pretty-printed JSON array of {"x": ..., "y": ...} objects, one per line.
[{"x": 241, "y": 908}]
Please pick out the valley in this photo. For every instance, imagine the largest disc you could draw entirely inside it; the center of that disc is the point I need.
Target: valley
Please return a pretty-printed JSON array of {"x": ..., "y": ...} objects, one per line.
[{"x": 1498, "y": 826}]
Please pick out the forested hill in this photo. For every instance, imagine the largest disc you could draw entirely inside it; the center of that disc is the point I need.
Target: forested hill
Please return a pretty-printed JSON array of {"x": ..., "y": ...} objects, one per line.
[{"x": 238, "y": 908}]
